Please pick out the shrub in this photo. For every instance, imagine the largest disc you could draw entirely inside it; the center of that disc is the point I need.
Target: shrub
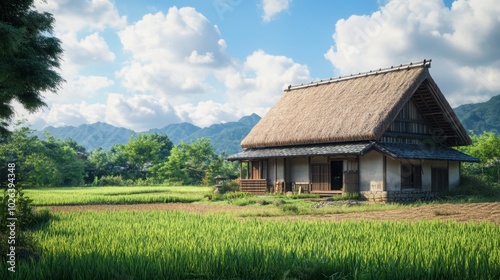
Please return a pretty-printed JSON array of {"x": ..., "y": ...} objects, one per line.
[
  {"x": 472, "y": 185},
  {"x": 110, "y": 181},
  {"x": 290, "y": 209},
  {"x": 228, "y": 186},
  {"x": 26, "y": 217}
]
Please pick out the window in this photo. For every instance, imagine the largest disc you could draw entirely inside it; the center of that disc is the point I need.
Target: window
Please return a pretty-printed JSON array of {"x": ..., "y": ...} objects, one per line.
[{"x": 411, "y": 176}]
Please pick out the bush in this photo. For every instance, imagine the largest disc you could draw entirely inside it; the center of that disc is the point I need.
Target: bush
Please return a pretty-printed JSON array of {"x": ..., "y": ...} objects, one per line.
[
  {"x": 228, "y": 186},
  {"x": 26, "y": 217},
  {"x": 289, "y": 209},
  {"x": 110, "y": 181},
  {"x": 475, "y": 185}
]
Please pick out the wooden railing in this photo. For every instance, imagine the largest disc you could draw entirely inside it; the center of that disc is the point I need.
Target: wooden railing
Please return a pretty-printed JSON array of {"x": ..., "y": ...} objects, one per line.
[{"x": 253, "y": 185}]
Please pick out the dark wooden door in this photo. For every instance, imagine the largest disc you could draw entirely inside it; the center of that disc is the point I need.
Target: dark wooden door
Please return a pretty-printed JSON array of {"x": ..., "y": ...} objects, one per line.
[
  {"x": 337, "y": 171},
  {"x": 439, "y": 178},
  {"x": 320, "y": 177}
]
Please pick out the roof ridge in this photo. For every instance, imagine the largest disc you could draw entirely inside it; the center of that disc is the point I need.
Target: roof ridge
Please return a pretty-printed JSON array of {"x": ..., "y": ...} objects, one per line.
[{"x": 423, "y": 63}]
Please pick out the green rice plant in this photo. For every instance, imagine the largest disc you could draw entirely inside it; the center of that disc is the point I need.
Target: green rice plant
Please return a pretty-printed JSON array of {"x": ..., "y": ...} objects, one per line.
[
  {"x": 115, "y": 195},
  {"x": 178, "y": 245}
]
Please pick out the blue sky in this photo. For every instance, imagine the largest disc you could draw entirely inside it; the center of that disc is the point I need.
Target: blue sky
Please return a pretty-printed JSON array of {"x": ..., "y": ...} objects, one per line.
[{"x": 147, "y": 64}]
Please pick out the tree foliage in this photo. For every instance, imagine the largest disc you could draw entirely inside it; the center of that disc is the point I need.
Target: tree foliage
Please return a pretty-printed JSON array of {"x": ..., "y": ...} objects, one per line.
[
  {"x": 194, "y": 163},
  {"x": 29, "y": 57},
  {"x": 146, "y": 159},
  {"x": 41, "y": 163},
  {"x": 485, "y": 147}
]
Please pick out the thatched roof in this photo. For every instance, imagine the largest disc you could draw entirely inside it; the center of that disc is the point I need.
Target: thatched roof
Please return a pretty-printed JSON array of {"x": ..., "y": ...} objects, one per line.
[{"x": 354, "y": 108}]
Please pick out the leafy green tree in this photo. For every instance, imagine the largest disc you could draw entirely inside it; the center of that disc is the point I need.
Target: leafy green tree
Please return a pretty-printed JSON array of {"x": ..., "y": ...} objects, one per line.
[
  {"x": 174, "y": 169},
  {"x": 146, "y": 148},
  {"x": 189, "y": 163},
  {"x": 199, "y": 155},
  {"x": 220, "y": 167},
  {"x": 16, "y": 148},
  {"x": 29, "y": 57},
  {"x": 486, "y": 147},
  {"x": 41, "y": 163},
  {"x": 41, "y": 170},
  {"x": 98, "y": 164},
  {"x": 70, "y": 164}
]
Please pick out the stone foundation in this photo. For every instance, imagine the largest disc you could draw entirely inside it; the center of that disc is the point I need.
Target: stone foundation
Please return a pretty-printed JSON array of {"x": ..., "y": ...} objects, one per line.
[{"x": 397, "y": 196}]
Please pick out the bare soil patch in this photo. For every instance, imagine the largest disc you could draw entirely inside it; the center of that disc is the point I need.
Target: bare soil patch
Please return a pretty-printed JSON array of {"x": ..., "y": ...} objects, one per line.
[{"x": 465, "y": 212}]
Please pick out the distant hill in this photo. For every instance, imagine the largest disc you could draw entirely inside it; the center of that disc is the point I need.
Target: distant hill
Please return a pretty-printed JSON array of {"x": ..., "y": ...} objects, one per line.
[
  {"x": 225, "y": 137},
  {"x": 91, "y": 136},
  {"x": 480, "y": 117}
]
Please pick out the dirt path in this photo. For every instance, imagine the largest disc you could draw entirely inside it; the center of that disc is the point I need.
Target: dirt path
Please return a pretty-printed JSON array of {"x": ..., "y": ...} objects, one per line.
[{"x": 459, "y": 212}]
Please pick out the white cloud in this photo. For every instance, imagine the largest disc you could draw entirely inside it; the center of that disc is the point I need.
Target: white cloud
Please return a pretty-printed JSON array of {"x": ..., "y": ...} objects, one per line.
[
  {"x": 206, "y": 113},
  {"x": 65, "y": 114},
  {"x": 178, "y": 69},
  {"x": 91, "y": 49},
  {"x": 80, "y": 87},
  {"x": 172, "y": 53},
  {"x": 273, "y": 7},
  {"x": 260, "y": 81},
  {"x": 139, "y": 112},
  {"x": 462, "y": 41},
  {"x": 76, "y": 15},
  {"x": 77, "y": 25}
]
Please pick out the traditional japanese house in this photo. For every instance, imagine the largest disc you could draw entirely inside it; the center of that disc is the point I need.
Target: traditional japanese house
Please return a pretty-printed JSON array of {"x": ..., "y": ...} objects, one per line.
[{"x": 385, "y": 134}]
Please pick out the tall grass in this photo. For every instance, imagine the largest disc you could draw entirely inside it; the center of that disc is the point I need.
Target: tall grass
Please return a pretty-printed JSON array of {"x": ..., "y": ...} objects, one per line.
[
  {"x": 176, "y": 245},
  {"x": 114, "y": 195}
]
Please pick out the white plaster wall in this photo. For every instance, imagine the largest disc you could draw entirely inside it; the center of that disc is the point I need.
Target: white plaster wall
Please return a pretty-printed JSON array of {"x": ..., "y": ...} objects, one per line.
[
  {"x": 371, "y": 172},
  {"x": 299, "y": 169},
  {"x": 318, "y": 159},
  {"x": 393, "y": 175},
  {"x": 454, "y": 174},
  {"x": 281, "y": 170},
  {"x": 351, "y": 165},
  {"x": 270, "y": 171},
  {"x": 427, "y": 174}
]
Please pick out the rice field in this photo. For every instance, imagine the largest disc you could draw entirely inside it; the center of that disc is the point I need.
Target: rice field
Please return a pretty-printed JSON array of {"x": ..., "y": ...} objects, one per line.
[
  {"x": 179, "y": 245},
  {"x": 115, "y": 195}
]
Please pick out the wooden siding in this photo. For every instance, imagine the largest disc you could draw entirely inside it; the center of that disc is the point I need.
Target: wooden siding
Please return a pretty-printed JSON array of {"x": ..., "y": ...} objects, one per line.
[
  {"x": 351, "y": 183},
  {"x": 320, "y": 176},
  {"x": 409, "y": 127},
  {"x": 253, "y": 186}
]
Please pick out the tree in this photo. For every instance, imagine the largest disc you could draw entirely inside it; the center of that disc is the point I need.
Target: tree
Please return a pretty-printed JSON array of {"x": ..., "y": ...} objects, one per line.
[
  {"x": 188, "y": 163},
  {"x": 29, "y": 57},
  {"x": 486, "y": 147},
  {"x": 40, "y": 163},
  {"x": 174, "y": 169},
  {"x": 144, "y": 148}
]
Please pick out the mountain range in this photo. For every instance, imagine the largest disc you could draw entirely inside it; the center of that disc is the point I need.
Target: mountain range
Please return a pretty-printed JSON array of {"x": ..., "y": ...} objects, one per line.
[
  {"x": 226, "y": 137},
  {"x": 481, "y": 117}
]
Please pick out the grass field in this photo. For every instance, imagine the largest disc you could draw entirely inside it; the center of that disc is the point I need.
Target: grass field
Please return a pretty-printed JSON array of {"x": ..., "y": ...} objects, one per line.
[
  {"x": 114, "y": 195},
  {"x": 177, "y": 245}
]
